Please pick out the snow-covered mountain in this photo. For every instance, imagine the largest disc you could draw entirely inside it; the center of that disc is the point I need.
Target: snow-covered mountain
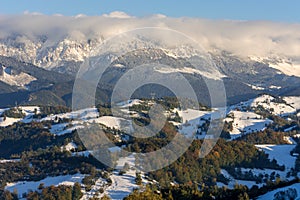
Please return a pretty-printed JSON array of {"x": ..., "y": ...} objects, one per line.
[
  {"x": 60, "y": 42},
  {"x": 284, "y": 64},
  {"x": 44, "y": 53},
  {"x": 66, "y": 42},
  {"x": 14, "y": 78},
  {"x": 66, "y": 51}
]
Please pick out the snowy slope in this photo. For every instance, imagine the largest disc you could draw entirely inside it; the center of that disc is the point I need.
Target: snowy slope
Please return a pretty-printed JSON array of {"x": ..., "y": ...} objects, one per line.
[
  {"x": 233, "y": 181},
  {"x": 293, "y": 101},
  {"x": 122, "y": 185},
  {"x": 257, "y": 172},
  {"x": 281, "y": 153},
  {"x": 21, "y": 79},
  {"x": 129, "y": 103},
  {"x": 191, "y": 120},
  {"x": 109, "y": 121},
  {"x": 270, "y": 195},
  {"x": 8, "y": 121},
  {"x": 84, "y": 114},
  {"x": 245, "y": 123},
  {"x": 285, "y": 66},
  {"x": 25, "y": 186},
  {"x": 269, "y": 103},
  {"x": 29, "y": 111},
  {"x": 187, "y": 70}
]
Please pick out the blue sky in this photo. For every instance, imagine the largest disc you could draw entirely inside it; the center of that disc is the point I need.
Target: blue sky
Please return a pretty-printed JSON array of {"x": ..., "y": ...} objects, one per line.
[{"x": 275, "y": 10}]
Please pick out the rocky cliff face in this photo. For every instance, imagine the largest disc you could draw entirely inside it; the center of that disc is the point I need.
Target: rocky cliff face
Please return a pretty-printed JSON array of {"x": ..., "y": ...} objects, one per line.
[{"x": 46, "y": 54}]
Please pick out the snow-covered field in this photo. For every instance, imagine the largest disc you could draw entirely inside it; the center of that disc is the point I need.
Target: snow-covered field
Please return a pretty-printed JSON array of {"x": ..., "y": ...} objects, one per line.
[
  {"x": 122, "y": 185},
  {"x": 257, "y": 172},
  {"x": 29, "y": 111},
  {"x": 233, "y": 181},
  {"x": 281, "y": 153},
  {"x": 109, "y": 121},
  {"x": 25, "y": 186},
  {"x": 270, "y": 195},
  {"x": 84, "y": 114},
  {"x": 8, "y": 121},
  {"x": 246, "y": 122},
  {"x": 293, "y": 101},
  {"x": 267, "y": 102},
  {"x": 191, "y": 119}
]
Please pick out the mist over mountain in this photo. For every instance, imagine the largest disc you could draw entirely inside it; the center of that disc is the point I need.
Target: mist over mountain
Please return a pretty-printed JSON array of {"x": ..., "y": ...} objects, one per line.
[
  {"x": 250, "y": 57},
  {"x": 53, "y": 41}
]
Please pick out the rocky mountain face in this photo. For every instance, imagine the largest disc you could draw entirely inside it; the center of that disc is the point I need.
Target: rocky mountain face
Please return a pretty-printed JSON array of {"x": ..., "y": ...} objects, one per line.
[{"x": 46, "y": 54}]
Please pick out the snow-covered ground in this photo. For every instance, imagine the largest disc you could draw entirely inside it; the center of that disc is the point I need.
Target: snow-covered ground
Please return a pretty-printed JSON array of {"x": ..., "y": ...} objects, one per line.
[
  {"x": 267, "y": 102},
  {"x": 257, "y": 172},
  {"x": 99, "y": 183},
  {"x": 212, "y": 74},
  {"x": 22, "y": 79},
  {"x": 191, "y": 119},
  {"x": 70, "y": 146},
  {"x": 129, "y": 103},
  {"x": 8, "y": 121},
  {"x": 28, "y": 111},
  {"x": 275, "y": 87},
  {"x": 25, "y": 186},
  {"x": 281, "y": 153},
  {"x": 57, "y": 128},
  {"x": 84, "y": 114},
  {"x": 233, "y": 181},
  {"x": 10, "y": 160},
  {"x": 122, "y": 185},
  {"x": 246, "y": 122},
  {"x": 270, "y": 195},
  {"x": 287, "y": 68},
  {"x": 110, "y": 121},
  {"x": 255, "y": 87},
  {"x": 293, "y": 101}
]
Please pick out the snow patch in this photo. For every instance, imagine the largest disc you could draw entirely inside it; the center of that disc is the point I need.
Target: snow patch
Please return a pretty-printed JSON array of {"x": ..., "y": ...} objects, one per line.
[
  {"x": 69, "y": 147},
  {"x": 233, "y": 181},
  {"x": 270, "y": 195},
  {"x": 246, "y": 122},
  {"x": 26, "y": 186},
  {"x": 281, "y": 153},
  {"x": 21, "y": 79}
]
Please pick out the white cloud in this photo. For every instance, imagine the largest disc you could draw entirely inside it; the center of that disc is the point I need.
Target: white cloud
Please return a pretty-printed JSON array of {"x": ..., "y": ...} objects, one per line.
[
  {"x": 260, "y": 38},
  {"x": 118, "y": 14},
  {"x": 27, "y": 12}
]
